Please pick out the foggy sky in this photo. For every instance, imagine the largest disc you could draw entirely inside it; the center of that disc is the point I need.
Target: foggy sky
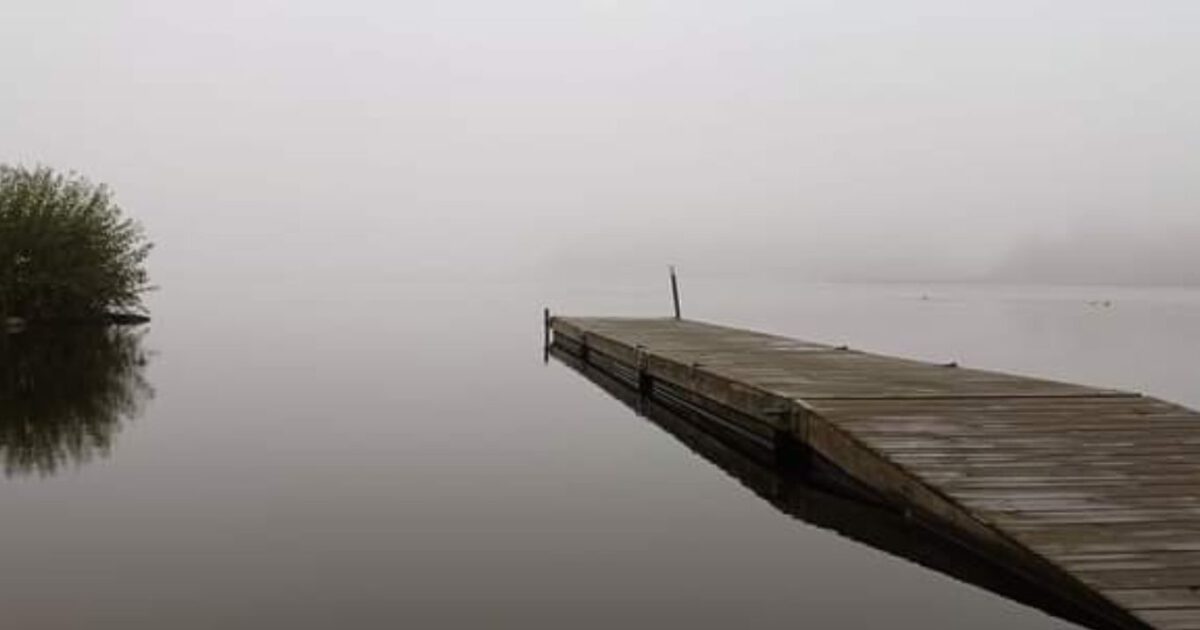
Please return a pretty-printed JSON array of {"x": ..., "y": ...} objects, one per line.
[{"x": 270, "y": 138}]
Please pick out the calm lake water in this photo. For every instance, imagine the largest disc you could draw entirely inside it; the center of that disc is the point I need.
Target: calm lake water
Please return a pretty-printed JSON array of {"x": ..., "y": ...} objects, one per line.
[{"x": 398, "y": 454}]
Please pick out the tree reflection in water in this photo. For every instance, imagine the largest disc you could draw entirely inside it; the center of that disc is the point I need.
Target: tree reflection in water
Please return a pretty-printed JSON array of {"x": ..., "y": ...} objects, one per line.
[{"x": 65, "y": 393}]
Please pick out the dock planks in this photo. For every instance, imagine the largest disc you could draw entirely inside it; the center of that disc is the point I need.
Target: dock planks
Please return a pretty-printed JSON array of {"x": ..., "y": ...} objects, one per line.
[{"x": 1093, "y": 493}]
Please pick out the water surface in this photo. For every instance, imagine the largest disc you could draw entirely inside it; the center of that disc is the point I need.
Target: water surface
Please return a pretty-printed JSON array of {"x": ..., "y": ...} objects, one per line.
[{"x": 374, "y": 455}]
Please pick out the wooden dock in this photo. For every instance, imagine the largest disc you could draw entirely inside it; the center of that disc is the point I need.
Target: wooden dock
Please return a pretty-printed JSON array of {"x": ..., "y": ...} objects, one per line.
[{"x": 1092, "y": 495}]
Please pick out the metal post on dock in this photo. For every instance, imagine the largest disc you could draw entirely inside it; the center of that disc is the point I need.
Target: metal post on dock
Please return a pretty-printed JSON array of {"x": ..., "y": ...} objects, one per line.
[{"x": 675, "y": 291}]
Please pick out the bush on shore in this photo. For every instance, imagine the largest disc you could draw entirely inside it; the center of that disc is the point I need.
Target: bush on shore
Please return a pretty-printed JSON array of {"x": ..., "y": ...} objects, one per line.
[{"x": 66, "y": 250}]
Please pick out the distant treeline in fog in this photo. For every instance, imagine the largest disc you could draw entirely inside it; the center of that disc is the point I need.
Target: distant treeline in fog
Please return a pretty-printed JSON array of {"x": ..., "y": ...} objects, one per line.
[
  {"x": 1107, "y": 256},
  {"x": 1163, "y": 252}
]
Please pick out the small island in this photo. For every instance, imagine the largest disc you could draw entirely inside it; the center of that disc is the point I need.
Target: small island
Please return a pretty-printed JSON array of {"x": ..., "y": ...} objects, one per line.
[{"x": 67, "y": 252}]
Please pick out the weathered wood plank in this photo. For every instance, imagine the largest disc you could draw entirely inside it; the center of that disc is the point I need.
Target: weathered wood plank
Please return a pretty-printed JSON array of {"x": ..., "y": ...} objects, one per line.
[{"x": 1096, "y": 489}]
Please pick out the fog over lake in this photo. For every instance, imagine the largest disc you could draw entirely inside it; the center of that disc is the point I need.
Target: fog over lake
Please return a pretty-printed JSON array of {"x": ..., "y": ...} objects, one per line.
[
  {"x": 868, "y": 139},
  {"x": 340, "y": 415}
]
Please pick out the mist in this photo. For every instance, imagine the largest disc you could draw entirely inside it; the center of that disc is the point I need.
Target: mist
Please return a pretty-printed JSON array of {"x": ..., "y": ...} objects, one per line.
[{"x": 263, "y": 139}]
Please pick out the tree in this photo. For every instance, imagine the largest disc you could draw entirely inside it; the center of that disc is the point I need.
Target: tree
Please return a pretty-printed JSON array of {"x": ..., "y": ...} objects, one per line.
[{"x": 66, "y": 250}]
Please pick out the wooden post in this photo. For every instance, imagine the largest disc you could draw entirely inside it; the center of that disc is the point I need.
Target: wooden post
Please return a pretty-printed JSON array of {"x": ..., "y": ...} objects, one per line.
[
  {"x": 675, "y": 291},
  {"x": 545, "y": 335}
]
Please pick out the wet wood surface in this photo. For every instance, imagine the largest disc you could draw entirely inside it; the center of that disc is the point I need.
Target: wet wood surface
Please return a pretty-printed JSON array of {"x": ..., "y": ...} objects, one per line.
[{"x": 1093, "y": 489}]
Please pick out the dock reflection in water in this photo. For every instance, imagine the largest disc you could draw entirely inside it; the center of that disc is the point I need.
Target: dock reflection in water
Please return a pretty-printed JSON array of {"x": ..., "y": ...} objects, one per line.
[
  {"x": 65, "y": 393},
  {"x": 805, "y": 487}
]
